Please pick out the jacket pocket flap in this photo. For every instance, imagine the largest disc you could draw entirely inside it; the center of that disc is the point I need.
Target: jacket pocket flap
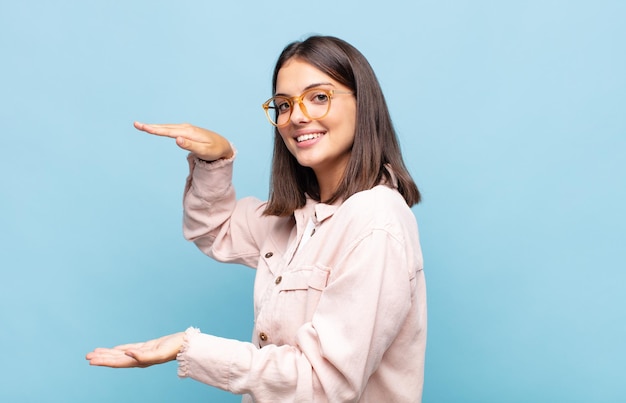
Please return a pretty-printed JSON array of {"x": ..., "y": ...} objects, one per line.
[
  {"x": 304, "y": 279},
  {"x": 318, "y": 279}
]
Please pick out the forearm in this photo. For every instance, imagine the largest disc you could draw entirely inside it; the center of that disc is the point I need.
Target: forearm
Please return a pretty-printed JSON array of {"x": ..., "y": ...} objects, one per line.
[
  {"x": 209, "y": 199},
  {"x": 221, "y": 226}
]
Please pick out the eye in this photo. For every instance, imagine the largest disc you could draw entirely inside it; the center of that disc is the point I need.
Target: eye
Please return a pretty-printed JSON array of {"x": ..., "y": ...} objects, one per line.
[
  {"x": 282, "y": 105},
  {"x": 318, "y": 97}
]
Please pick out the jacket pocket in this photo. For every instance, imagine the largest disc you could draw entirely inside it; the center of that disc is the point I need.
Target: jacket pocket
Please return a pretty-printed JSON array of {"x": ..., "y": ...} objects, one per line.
[{"x": 300, "y": 291}]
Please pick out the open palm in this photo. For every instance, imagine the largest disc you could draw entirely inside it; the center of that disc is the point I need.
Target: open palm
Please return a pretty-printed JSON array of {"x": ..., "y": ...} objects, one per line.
[{"x": 141, "y": 355}]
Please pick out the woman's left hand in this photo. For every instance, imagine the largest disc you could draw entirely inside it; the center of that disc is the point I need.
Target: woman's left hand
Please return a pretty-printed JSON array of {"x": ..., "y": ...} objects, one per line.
[{"x": 157, "y": 351}]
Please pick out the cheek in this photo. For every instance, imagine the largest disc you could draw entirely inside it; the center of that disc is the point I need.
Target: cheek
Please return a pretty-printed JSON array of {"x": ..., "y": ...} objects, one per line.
[
  {"x": 350, "y": 132},
  {"x": 350, "y": 125}
]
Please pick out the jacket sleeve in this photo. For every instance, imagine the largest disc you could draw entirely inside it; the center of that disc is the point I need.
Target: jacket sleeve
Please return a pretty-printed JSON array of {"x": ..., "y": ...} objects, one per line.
[
  {"x": 359, "y": 315},
  {"x": 213, "y": 218}
]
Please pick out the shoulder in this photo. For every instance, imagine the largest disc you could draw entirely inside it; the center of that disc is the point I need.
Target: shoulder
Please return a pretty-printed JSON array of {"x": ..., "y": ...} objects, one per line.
[
  {"x": 381, "y": 207},
  {"x": 380, "y": 220},
  {"x": 380, "y": 192},
  {"x": 380, "y": 200}
]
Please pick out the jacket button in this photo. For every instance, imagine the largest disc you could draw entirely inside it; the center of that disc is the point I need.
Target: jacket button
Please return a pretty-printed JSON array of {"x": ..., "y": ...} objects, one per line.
[
  {"x": 269, "y": 255},
  {"x": 278, "y": 280},
  {"x": 263, "y": 336}
]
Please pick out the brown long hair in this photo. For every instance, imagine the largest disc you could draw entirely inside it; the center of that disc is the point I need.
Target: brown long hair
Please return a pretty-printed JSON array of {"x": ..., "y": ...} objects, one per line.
[{"x": 375, "y": 141}]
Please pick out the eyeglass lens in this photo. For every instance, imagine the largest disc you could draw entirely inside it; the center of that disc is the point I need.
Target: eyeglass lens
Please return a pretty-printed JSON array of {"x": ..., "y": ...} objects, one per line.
[{"x": 315, "y": 105}]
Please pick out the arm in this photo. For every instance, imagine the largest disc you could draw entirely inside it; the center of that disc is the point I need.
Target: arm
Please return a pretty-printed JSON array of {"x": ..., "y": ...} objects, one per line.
[
  {"x": 224, "y": 228},
  {"x": 220, "y": 226},
  {"x": 212, "y": 152},
  {"x": 359, "y": 315}
]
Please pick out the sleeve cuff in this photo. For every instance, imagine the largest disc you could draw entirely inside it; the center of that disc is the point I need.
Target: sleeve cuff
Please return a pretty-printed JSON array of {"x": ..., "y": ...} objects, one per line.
[
  {"x": 212, "y": 164},
  {"x": 181, "y": 357},
  {"x": 209, "y": 179}
]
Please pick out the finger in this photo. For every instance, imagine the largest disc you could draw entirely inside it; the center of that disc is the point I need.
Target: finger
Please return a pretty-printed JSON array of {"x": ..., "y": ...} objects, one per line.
[
  {"x": 111, "y": 358},
  {"x": 146, "y": 358},
  {"x": 154, "y": 129},
  {"x": 114, "y": 362},
  {"x": 125, "y": 347},
  {"x": 202, "y": 150},
  {"x": 143, "y": 126},
  {"x": 185, "y": 130},
  {"x": 164, "y": 130},
  {"x": 183, "y": 143},
  {"x": 101, "y": 351}
]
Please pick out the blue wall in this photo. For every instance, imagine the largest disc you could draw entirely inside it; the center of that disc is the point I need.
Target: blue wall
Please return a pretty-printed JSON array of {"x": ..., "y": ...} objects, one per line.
[{"x": 511, "y": 116}]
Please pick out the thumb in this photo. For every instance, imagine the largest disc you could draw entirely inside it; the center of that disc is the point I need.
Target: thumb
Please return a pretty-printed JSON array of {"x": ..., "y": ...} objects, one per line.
[
  {"x": 140, "y": 358},
  {"x": 182, "y": 143},
  {"x": 131, "y": 353}
]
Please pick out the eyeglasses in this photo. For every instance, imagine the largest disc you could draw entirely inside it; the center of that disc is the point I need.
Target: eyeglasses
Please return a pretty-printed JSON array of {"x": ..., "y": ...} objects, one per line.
[{"x": 314, "y": 103}]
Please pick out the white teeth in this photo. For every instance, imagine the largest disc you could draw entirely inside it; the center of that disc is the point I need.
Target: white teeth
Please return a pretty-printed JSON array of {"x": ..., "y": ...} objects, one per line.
[{"x": 306, "y": 137}]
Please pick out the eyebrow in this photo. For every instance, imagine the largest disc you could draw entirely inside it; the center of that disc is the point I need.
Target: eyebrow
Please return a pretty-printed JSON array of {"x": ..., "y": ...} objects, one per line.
[{"x": 308, "y": 87}]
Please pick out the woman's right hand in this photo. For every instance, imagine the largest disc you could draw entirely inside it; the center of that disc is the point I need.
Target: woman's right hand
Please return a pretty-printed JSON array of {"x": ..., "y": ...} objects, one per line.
[{"x": 203, "y": 143}]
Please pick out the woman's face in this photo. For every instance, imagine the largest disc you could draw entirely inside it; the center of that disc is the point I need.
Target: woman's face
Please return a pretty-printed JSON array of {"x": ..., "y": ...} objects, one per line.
[{"x": 324, "y": 144}]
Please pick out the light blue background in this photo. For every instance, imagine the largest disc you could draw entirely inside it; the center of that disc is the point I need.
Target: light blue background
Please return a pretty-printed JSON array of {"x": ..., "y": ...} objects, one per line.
[{"x": 512, "y": 118}]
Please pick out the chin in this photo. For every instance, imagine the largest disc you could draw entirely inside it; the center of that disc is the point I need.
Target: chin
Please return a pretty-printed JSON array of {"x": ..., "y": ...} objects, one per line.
[{"x": 306, "y": 164}]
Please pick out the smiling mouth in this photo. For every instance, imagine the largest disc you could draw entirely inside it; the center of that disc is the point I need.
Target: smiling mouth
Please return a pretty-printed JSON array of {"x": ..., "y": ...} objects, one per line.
[{"x": 309, "y": 136}]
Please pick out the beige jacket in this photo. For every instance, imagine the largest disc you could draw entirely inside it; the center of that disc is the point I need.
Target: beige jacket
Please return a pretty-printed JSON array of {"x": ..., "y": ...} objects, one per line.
[{"x": 341, "y": 318}]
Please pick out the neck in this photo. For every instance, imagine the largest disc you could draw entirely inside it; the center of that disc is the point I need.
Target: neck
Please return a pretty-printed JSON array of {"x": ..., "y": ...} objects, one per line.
[{"x": 328, "y": 183}]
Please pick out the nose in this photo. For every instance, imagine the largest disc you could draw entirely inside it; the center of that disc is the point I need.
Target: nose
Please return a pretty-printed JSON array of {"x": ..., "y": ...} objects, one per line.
[{"x": 298, "y": 114}]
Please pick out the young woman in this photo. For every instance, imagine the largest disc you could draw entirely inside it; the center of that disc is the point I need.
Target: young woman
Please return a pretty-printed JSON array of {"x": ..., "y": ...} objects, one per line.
[{"x": 339, "y": 295}]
